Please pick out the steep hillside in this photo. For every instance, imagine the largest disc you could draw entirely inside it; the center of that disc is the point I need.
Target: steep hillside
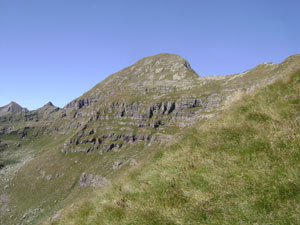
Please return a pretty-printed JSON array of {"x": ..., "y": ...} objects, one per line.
[
  {"x": 50, "y": 157},
  {"x": 241, "y": 167}
]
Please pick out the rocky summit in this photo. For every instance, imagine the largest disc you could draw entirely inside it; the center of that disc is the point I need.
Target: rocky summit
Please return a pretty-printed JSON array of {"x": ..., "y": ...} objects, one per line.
[
  {"x": 51, "y": 157},
  {"x": 11, "y": 108}
]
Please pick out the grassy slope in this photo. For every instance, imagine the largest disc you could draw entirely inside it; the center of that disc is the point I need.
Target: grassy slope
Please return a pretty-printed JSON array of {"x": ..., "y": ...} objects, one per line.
[
  {"x": 241, "y": 167},
  {"x": 34, "y": 191}
]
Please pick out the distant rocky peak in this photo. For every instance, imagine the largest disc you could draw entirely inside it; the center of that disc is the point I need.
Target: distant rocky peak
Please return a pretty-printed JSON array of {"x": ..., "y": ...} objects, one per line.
[
  {"x": 48, "y": 107},
  {"x": 159, "y": 73},
  {"x": 49, "y": 104},
  {"x": 159, "y": 70},
  {"x": 13, "y": 103},
  {"x": 164, "y": 60},
  {"x": 12, "y": 107}
]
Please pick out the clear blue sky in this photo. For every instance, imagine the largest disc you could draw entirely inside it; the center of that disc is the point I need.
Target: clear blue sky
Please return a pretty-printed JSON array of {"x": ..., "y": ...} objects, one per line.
[{"x": 55, "y": 50}]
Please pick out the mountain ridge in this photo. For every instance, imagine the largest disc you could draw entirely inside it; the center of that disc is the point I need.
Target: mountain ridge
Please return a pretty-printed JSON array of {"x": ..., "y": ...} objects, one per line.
[
  {"x": 110, "y": 128},
  {"x": 147, "y": 60}
]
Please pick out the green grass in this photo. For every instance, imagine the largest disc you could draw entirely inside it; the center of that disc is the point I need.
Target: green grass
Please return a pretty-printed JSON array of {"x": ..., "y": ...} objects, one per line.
[{"x": 241, "y": 167}]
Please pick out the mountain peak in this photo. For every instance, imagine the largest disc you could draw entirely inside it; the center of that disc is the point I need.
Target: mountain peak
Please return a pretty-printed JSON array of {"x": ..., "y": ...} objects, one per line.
[
  {"x": 163, "y": 59},
  {"x": 49, "y": 104},
  {"x": 159, "y": 74},
  {"x": 154, "y": 71},
  {"x": 165, "y": 56},
  {"x": 47, "y": 107},
  {"x": 14, "y": 103},
  {"x": 12, "y": 107}
]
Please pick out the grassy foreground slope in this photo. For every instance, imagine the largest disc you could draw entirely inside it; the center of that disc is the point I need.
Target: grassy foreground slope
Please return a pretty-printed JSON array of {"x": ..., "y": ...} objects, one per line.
[{"x": 241, "y": 167}]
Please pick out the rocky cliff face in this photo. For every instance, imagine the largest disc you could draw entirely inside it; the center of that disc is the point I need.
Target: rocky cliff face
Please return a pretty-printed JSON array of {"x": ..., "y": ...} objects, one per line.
[
  {"x": 155, "y": 94},
  {"x": 152, "y": 96},
  {"x": 107, "y": 127}
]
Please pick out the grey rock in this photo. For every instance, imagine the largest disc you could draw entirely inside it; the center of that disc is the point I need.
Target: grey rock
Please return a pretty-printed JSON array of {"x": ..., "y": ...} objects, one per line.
[
  {"x": 117, "y": 165},
  {"x": 48, "y": 177},
  {"x": 93, "y": 180},
  {"x": 133, "y": 162}
]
